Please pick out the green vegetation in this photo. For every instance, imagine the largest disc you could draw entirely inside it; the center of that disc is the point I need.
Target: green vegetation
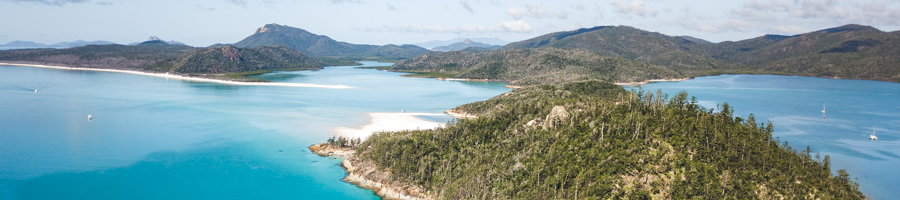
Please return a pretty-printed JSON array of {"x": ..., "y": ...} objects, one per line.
[
  {"x": 534, "y": 66},
  {"x": 429, "y": 75},
  {"x": 378, "y": 68},
  {"x": 851, "y": 51},
  {"x": 323, "y": 46},
  {"x": 241, "y": 75},
  {"x": 226, "y": 62},
  {"x": 594, "y": 140}
]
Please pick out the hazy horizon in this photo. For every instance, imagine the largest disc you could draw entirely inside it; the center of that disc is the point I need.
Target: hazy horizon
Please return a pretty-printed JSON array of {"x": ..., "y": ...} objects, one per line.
[{"x": 203, "y": 23}]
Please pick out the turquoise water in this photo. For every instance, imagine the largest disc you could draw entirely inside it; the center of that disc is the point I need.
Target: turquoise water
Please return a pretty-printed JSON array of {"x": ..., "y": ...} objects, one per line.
[
  {"x": 793, "y": 104},
  {"x": 153, "y": 138}
]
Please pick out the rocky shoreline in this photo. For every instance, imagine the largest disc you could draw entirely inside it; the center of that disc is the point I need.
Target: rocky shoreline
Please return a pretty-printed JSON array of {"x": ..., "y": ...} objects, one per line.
[
  {"x": 459, "y": 114},
  {"x": 366, "y": 175}
]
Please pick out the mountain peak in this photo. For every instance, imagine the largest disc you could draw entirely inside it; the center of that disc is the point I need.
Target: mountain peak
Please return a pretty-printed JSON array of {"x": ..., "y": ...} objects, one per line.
[
  {"x": 850, "y": 27},
  {"x": 467, "y": 41},
  {"x": 154, "y": 38}
]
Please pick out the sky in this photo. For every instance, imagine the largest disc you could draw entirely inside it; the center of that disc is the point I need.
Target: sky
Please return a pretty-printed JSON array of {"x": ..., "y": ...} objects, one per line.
[{"x": 206, "y": 22}]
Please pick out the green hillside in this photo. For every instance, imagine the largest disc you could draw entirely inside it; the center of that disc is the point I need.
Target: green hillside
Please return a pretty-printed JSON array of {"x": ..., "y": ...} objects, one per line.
[
  {"x": 534, "y": 66},
  {"x": 323, "y": 46},
  {"x": 229, "y": 59},
  {"x": 630, "y": 43},
  {"x": 159, "y": 57},
  {"x": 594, "y": 140},
  {"x": 850, "y": 51}
]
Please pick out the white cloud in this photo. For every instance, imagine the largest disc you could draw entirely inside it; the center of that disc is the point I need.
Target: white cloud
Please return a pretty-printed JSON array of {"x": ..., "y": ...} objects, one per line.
[
  {"x": 391, "y": 7},
  {"x": 634, "y": 7},
  {"x": 51, "y": 2},
  {"x": 792, "y": 16},
  {"x": 345, "y": 1},
  {"x": 534, "y": 10},
  {"x": 579, "y": 6},
  {"x": 518, "y": 26},
  {"x": 465, "y": 4}
]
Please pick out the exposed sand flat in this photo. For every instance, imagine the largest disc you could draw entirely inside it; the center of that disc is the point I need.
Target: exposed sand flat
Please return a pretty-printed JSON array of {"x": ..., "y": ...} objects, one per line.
[
  {"x": 650, "y": 81},
  {"x": 388, "y": 122},
  {"x": 185, "y": 78}
]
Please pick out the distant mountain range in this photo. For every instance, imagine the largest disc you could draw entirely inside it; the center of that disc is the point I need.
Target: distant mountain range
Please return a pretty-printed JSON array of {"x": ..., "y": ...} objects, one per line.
[
  {"x": 154, "y": 38},
  {"x": 323, "y": 46},
  {"x": 30, "y": 44},
  {"x": 850, "y": 51},
  {"x": 437, "y": 43},
  {"x": 465, "y": 44}
]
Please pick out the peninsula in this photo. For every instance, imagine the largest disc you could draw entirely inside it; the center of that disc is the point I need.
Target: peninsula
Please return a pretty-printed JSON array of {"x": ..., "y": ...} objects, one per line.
[{"x": 594, "y": 140}]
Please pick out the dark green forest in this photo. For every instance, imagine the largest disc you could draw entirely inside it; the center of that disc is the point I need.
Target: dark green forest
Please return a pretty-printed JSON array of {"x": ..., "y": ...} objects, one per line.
[
  {"x": 159, "y": 57},
  {"x": 534, "y": 66},
  {"x": 594, "y": 140},
  {"x": 846, "y": 52}
]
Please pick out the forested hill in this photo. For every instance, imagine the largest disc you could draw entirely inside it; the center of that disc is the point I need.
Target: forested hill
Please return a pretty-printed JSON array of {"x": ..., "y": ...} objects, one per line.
[
  {"x": 534, "y": 66},
  {"x": 594, "y": 140},
  {"x": 630, "y": 43},
  {"x": 850, "y": 51},
  {"x": 157, "y": 56},
  {"x": 323, "y": 46}
]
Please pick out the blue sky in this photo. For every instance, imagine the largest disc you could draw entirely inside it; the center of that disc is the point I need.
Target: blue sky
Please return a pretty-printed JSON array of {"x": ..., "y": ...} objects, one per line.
[{"x": 202, "y": 23}]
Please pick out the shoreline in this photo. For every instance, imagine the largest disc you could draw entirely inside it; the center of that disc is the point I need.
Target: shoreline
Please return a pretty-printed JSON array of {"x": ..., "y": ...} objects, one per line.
[
  {"x": 459, "y": 114},
  {"x": 651, "y": 81},
  {"x": 365, "y": 174},
  {"x": 184, "y": 78},
  {"x": 380, "y": 122}
]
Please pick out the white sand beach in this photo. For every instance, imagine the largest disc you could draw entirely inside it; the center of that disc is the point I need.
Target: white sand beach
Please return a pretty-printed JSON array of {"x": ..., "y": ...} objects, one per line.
[
  {"x": 388, "y": 122},
  {"x": 184, "y": 78},
  {"x": 650, "y": 81}
]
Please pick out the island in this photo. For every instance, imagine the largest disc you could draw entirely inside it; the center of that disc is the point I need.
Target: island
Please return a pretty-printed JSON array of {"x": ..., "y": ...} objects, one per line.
[{"x": 589, "y": 140}]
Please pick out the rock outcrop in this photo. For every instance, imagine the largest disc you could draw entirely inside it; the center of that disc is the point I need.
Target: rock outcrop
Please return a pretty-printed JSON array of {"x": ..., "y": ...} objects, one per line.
[
  {"x": 557, "y": 115},
  {"x": 366, "y": 175}
]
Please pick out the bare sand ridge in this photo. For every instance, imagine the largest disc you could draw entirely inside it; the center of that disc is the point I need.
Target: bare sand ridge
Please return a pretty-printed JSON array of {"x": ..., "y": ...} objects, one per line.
[
  {"x": 388, "y": 122},
  {"x": 185, "y": 78}
]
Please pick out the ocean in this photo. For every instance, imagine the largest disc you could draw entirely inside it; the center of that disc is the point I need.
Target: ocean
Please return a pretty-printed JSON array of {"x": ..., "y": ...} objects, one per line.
[
  {"x": 794, "y": 105},
  {"x": 153, "y": 138}
]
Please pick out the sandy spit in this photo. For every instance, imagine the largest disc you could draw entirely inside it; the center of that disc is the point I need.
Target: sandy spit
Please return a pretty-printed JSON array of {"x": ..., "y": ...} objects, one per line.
[
  {"x": 185, "y": 78},
  {"x": 388, "y": 122}
]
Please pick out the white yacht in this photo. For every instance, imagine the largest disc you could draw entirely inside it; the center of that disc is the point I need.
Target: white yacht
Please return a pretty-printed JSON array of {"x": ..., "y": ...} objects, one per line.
[{"x": 873, "y": 137}]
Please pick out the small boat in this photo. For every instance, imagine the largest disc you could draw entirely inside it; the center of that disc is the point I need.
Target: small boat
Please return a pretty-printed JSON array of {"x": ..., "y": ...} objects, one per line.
[
  {"x": 35, "y": 91},
  {"x": 823, "y": 111},
  {"x": 873, "y": 137},
  {"x": 90, "y": 117}
]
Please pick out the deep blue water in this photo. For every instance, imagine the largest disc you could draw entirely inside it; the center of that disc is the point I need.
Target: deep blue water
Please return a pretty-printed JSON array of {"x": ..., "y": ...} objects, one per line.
[
  {"x": 153, "y": 138},
  {"x": 793, "y": 104}
]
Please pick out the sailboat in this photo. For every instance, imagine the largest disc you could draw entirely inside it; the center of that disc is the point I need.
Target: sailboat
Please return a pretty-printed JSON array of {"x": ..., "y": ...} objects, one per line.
[
  {"x": 873, "y": 137},
  {"x": 823, "y": 110}
]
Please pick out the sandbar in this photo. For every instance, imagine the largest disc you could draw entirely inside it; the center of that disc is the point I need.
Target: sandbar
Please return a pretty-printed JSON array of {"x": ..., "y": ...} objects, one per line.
[
  {"x": 650, "y": 81},
  {"x": 185, "y": 78},
  {"x": 389, "y": 122}
]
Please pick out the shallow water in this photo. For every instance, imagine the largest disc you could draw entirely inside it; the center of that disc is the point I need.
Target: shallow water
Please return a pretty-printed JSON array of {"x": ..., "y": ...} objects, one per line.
[
  {"x": 793, "y": 104},
  {"x": 152, "y": 138}
]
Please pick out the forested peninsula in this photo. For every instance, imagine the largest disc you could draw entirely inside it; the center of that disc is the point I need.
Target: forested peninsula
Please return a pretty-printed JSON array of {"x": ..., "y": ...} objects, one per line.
[
  {"x": 592, "y": 140},
  {"x": 225, "y": 62}
]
